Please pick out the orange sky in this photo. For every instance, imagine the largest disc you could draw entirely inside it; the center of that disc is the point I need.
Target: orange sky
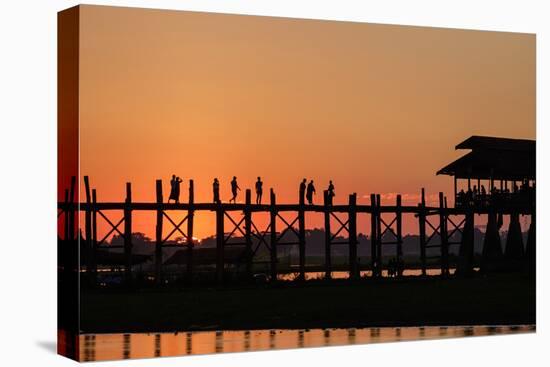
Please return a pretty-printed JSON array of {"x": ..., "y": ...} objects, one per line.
[{"x": 376, "y": 108}]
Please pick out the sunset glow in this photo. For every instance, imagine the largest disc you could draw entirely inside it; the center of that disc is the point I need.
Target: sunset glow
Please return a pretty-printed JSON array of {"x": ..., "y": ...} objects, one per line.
[{"x": 375, "y": 108}]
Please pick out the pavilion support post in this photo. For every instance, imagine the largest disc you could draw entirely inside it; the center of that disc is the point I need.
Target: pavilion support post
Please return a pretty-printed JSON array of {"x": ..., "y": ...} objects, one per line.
[
  {"x": 273, "y": 240},
  {"x": 328, "y": 257},
  {"x": 248, "y": 232},
  {"x": 466, "y": 250},
  {"x": 492, "y": 250},
  {"x": 444, "y": 236},
  {"x": 379, "y": 263},
  {"x": 158, "y": 234},
  {"x": 190, "y": 222},
  {"x": 352, "y": 226},
  {"x": 302, "y": 239},
  {"x": 88, "y": 229},
  {"x": 373, "y": 235},
  {"x": 220, "y": 242},
  {"x": 422, "y": 231},
  {"x": 513, "y": 251},
  {"x": 128, "y": 233}
]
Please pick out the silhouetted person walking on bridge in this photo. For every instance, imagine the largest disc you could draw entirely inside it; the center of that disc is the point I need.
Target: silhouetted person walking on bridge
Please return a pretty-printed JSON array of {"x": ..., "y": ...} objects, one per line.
[
  {"x": 216, "y": 191},
  {"x": 302, "y": 191},
  {"x": 175, "y": 189},
  {"x": 259, "y": 190},
  {"x": 331, "y": 193},
  {"x": 310, "y": 192},
  {"x": 234, "y": 189}
]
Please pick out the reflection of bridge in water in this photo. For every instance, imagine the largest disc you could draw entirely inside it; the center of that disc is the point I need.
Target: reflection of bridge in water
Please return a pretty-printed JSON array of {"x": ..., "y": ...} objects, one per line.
[{"x": 97, "y": 347}]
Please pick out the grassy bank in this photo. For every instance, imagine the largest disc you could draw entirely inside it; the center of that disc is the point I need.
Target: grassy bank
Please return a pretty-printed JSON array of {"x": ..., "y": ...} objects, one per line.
[{"x": 502, "y": 299}]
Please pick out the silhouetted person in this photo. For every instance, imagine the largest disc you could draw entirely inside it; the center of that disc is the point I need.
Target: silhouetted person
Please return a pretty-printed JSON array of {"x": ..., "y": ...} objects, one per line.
[
  {"x": 216, "y": 190},
  {"x": 331, "y": 193},
  {"x": 175, "y": 189},
  {"x": 524, "y": 186},
  {"x": 172, "y": 188},
  {"x": 309, "y": 192},
  {"x": 483, "y": 195},
  {"x": 302, "y": 191},
  {"x": 259, "y": 190},
  {"x": 461, "y": 196},
  {"x": 469, "y": 196},
  {"x": 234, "y": 189}
]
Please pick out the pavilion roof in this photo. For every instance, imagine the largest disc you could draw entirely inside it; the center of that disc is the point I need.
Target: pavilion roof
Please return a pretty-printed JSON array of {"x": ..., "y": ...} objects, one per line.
[{"x": 492, "y": 157}]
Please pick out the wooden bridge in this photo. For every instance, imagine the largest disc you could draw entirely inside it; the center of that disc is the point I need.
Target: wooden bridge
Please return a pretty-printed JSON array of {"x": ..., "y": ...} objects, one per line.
[{"x": 437, "y": 226}]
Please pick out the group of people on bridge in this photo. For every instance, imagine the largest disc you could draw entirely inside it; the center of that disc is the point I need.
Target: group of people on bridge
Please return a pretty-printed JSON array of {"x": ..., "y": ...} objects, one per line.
[
  {"x": 479, "y": 196},
  {"x": 306, "y": 190}
]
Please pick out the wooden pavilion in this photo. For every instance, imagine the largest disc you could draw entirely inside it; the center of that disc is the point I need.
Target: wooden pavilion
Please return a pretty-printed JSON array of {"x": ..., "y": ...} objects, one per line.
[{"x": 506, "y": 166}]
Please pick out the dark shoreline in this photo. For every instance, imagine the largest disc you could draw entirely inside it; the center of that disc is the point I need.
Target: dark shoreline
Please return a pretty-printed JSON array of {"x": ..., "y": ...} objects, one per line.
[{"x": 505, "y": 299}]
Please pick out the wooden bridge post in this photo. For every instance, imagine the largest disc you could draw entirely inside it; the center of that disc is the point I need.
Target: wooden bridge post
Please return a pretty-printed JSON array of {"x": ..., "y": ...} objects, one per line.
[
  {"x": 466, "y": 251},
  {"x": 248, "y": 232},
  {"x": 158, "y": 234},
  {"x": 373, "y": 235},
  {"x": 328, "y": 264},
  {"x": 352, "y": 226},
  {"x": 88, "y": 229},
  {"x": 444, "y": 235},
  {"x": 399, "y": 227},
  {"x": 422, "y": 230},
  {"x": 190, "y": 221},
  {"x": 273, "y": 238},
  {"x": 72, "y": 209},
  {"x": 513, "y": 250},
  {"x": 220, "y": 241},
  {"x": 94, "y": 235},
  {"x": 128, "y": 233},
  {"x": 530, "y": 247},
  {"x": 66, "y": 216},
  {"x": 302, "y": 239},
  {"x": 492, "y": 250},
  {"x": 379, "y": 235}
]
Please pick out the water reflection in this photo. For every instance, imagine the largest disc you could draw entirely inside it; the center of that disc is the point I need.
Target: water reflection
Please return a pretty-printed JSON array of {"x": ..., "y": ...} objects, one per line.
[
  {"x": 89, "y": 348},
  {"x": 310, "y": 275},
  {"x": 126, "y": 346},
  {"x": 157, "y": 345},
  {"x": 351, "y": 336},
  {"x": 114, "y": 346},
  {"x": 326, "y": 335}
]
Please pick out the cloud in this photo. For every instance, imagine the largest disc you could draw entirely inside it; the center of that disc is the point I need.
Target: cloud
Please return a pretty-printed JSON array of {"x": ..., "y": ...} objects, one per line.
[{"x": 407, "y": 198}]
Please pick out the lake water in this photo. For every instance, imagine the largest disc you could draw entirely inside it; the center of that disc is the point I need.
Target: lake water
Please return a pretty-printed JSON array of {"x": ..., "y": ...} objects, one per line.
[{"x": 97, "y": 347}]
